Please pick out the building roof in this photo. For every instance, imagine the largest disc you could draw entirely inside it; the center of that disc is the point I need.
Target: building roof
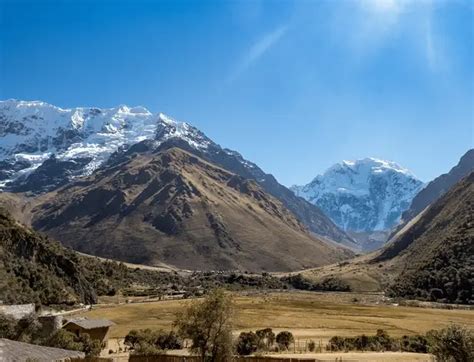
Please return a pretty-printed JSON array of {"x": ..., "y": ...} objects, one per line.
[
  {"x": 19, "y": 351},
  {"x": 90, "y": 323}
]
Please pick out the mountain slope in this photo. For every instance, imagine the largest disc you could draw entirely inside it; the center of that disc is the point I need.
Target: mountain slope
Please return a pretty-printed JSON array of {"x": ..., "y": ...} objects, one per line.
[
  {"x": 437, "y": 251},
  {"x": 43, "y": 147},
  {"x": 440, "y": 185},
  {"x": 431, "y": 258},
  {"x": 167, "y": 205},
  {"x": 364, "y": 195},
  {"x": 35, "y": 269}
]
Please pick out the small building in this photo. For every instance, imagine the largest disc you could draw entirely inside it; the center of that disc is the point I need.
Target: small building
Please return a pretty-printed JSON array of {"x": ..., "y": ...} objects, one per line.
[
  {"x": 95, "y": 328},
  {"x": 22, "y": 352}
]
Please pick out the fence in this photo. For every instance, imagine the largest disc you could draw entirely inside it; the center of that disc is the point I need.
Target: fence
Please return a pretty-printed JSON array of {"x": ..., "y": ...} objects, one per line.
[{"x": 169, "y": 358}]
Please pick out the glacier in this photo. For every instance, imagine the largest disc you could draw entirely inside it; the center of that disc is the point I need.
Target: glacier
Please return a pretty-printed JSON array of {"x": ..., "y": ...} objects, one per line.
[{"x": 363, "y": 195}]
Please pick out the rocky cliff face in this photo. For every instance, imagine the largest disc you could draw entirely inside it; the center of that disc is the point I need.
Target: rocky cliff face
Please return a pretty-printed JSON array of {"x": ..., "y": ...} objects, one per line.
[{"x": 364, "y": 195}]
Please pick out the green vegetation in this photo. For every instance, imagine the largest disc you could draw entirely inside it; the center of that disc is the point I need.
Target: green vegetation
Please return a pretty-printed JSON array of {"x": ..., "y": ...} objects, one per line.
[
  {"x": 284, "y": 339},
  {"x": 446, "y": 277},
  {"x": 380, "y": 342},
  {"x": 260, "y": 341},
  {"x": 453, "y": 343},
  {"x": 28, "y": 329},
  {"x": 68, "y": 340},
  {"x": 438, "y": 249},
  {"x": 247, "y": 343},
  {"x": 208, "y": 324},
  {"x": 146, "y": 342},
  {"x": 329, "y": 284},
  {"x": 34, "y": 269}
]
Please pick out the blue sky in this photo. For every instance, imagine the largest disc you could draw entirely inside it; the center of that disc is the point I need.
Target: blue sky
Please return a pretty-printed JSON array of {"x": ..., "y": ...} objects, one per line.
[{"x": 293, "y": 86}]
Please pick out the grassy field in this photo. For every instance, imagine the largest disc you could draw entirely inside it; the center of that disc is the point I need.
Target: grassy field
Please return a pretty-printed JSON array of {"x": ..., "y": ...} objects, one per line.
[{"x": 315, "y": 316}]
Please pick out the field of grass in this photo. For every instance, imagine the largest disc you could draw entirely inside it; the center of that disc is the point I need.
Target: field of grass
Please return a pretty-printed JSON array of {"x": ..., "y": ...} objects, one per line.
[{"x": 317, "y": 316}]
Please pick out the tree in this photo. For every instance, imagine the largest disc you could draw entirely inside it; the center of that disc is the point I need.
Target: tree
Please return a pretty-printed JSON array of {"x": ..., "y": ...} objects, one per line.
[
  {"x": 311, "y": 346},
  {"x": 284, "y": 339},
  {"x": 266, "y": 338},
  {"x": 208, "y": 324},
  {"x": 247, "y": 343},
  {"x": 453, "y": 343}
]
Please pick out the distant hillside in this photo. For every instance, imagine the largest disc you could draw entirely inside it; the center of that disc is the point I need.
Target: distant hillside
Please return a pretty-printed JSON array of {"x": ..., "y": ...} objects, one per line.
[
  {"x": 431, "y": 258},
  {"x": 170, "y": 206},
  {"x": 440, "y": 185},
  {"x": 36, "y": 269}
]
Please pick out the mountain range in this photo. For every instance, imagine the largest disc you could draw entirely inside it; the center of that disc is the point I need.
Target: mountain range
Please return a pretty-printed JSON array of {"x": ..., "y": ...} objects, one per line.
[
  {"x": 129, "y": 185},
  {"x": 43, "y": 147},
  {"x": 430, "y": 258}
]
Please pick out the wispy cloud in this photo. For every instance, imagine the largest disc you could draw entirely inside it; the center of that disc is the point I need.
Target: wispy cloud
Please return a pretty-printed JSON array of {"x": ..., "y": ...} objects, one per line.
[
  {"x": 257, "y": 50},
  {"x": 375, "y": 22}
]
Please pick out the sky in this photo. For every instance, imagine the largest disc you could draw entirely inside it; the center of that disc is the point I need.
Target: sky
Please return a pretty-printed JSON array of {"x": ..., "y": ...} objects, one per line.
[{"x": 295, "y": 86}]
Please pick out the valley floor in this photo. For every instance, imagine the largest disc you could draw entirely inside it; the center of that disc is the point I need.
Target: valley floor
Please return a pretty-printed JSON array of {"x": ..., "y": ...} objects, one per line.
[{"x": 308, "y": 315}]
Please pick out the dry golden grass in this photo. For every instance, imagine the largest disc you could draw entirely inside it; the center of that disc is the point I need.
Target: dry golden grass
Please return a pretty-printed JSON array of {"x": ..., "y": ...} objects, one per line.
[{"x": 315, "y": 316}]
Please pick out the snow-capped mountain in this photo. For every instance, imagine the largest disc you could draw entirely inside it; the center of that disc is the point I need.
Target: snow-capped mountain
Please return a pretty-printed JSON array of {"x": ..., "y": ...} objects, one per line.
[
  {"x": 32, "y": 132},
  {"x": 43, "y": 147},
  {"x": 363, "y": 195}
]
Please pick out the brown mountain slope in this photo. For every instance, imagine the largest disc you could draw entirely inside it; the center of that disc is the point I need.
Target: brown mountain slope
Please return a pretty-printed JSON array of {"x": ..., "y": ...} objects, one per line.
[
  {"x": 173, "y": 207},
  {"x": 437, "y": 252},
  {"x": 431, "y": 258},
  {"x": 440, "y": 185}
]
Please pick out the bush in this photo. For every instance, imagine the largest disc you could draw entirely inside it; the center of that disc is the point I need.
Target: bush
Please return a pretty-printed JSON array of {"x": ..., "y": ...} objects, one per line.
[
  {"x": 148, "y": 342},
  {"x": 417, "y": 344},
  {"x": 380, "y": 342},
  {"x": 328, "y": 284},
  {"x": 7, "y": 327},
  {"x": 449, "y": 344},
  {"x": 68, "y": 340},
  {"x": 284, "y": 339},
  {"x": 247, "y": 343},
  {"x": 311, "y": 346},
  {"x": 453, "y": 343},
  {"x": 266, "y": 338}
]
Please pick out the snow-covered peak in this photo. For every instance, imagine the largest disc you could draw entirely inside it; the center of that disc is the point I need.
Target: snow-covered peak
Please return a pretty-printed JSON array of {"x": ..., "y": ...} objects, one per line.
[
  {"x": 363, "y": 195},
  {"x": 32, "y": 131},
  {"x": 372, "y": 164}
]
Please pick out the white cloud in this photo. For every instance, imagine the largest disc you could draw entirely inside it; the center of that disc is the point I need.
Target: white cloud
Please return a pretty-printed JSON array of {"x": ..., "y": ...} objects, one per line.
[{"x": 257, "y": 50}]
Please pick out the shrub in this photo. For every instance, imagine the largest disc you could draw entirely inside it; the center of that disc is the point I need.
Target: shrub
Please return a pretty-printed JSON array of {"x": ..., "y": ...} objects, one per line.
[
  {"x": 453, "y": 343},
  {"x": 68, "y": 340},
  {"x": 247, "y": 343},
  {"x": 148, "y": 342},
  {"x": 266, "y": 338},
  {"x": 311, "y": 346},
  {"x": 380, "y": 342},
  {"x": 417, "y": 344},
  {"x": 284, "y": 339},
  {"x": 7, "y": 327}
]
